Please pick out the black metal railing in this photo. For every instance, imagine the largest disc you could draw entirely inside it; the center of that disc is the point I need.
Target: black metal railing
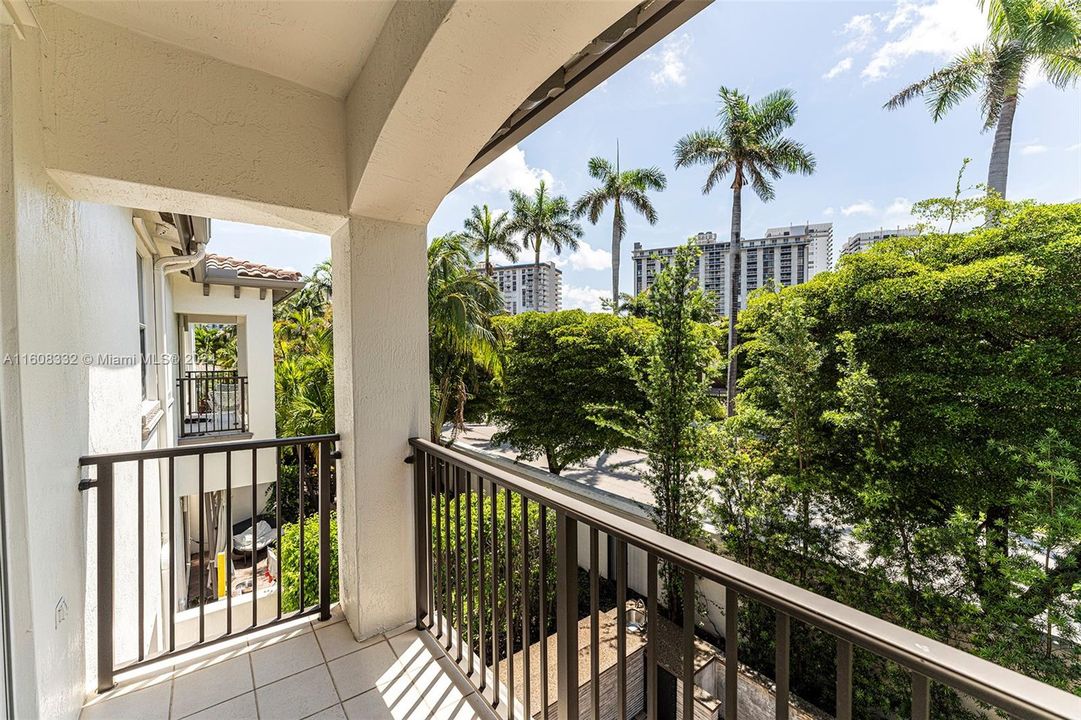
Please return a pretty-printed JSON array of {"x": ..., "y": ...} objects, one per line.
[
  {"x": 201, "y": 470},
  {"x": 212, "y": 402},
  {"x": 485, "y": 566}
]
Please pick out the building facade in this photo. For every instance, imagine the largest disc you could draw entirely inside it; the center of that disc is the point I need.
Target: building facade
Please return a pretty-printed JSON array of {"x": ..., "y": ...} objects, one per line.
[
  {"x": 783, "y": 257},
  {"x": 517, "y": 286},
  {"x": 863, "y": 240}
]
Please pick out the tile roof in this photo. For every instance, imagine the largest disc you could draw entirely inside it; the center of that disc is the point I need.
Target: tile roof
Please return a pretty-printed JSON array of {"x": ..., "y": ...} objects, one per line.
[{"x": 246, "y": 268}]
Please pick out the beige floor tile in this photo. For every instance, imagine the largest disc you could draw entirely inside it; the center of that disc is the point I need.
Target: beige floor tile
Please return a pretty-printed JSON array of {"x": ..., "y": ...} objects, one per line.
[
  {"x": 283, "y": 659},
  {"x": 279, "y": 634},
  {"x": 150, "y": 703},
  {"x": 462, "y": 707},
  {"x": 362, "y": 670},
  {"x": 336, "y": 615},
  {"x": 405, "y": 643},
  {"x": 372, "y": 705},
  {"x": 239, "y": 708},
  {"x": 335, "y": 712},
  {"x": 337, "y": 640},
  {"x": 206, "y": 686},
  {"x": 297, "y": 696}
]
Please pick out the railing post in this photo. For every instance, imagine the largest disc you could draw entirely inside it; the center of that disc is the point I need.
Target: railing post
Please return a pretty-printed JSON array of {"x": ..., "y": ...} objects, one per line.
[
  {"x": 423, "y": 523},
  {"x": 324, "y": 530},
  {"x": 566, "y": 616},
  {"x": 105, "y": 576}
]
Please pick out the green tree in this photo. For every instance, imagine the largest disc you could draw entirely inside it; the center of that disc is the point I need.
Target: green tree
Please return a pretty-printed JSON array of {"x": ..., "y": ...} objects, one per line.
[
  {"x": 461, "y": 304},
  {"x": 485, "y": 232},
  {"x": 559, "y": 368},
  {"x": 542, "y": 220},
  {"x": 1021, "y": 34},
  {"x": 290, "y": 562},
  {"x": 675, "y": 377},
  {"x": 618, "y": 187},
  {"x": 215, "y": 345},
  {"x": 750, "y": 146}
]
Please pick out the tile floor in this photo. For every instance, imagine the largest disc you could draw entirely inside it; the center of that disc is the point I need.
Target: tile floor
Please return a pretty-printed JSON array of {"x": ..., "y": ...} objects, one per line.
[{"x": 305, "y": 669}]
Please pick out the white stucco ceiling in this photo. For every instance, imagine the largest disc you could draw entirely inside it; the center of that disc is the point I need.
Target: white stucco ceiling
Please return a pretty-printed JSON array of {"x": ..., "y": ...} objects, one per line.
[{"x": 320, "y": 44}]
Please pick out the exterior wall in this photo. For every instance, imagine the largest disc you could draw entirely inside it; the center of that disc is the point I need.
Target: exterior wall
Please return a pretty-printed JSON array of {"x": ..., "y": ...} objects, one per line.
[
  {"x": 70, "y": 288},
  {"x": 863, "y": 240}
]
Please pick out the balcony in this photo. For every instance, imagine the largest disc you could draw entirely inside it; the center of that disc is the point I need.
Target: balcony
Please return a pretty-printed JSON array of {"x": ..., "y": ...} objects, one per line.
[
  {"x": 212, "y": 403},
  {"x": 529, "y": 603}
]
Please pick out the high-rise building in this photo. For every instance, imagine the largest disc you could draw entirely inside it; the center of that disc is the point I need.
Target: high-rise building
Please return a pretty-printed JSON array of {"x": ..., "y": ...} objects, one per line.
[
  {"x": 782, "y": 257},
  {"x": 516, "y": 284},
  {"x": 820, "y": 250},
  {"x": 863, "y": 240}
]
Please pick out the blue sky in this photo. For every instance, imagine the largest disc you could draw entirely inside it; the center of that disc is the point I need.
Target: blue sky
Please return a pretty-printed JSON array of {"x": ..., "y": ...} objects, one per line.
[{"x": 842, "y": 60}]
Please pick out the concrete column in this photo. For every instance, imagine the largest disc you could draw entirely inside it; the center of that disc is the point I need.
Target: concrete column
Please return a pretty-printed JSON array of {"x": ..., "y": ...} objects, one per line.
[{"x": 381, "y": 400}]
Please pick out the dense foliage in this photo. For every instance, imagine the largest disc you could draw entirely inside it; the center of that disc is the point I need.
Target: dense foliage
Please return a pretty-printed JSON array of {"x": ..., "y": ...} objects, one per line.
[
  {"x": 923, "y": 395},
  {"x": 291, "y": 560},
  {"x": 559, "y": 368}
]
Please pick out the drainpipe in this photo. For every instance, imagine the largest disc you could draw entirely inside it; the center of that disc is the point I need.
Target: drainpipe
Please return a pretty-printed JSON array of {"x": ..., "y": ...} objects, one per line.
[{"x": 162, "y": 267}]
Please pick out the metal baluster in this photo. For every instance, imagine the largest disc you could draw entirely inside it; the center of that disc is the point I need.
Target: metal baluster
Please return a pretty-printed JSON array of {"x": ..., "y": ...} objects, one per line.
[
  {"x": 229, "y": 542},
  {"x": 781, "y": 665},
  {"x": 688, "y": 645},
  {"x": 844, "y": 680},
  {"x": 441, "y": 568},
  {"x": 469, "y": 566},
  {"x": 567, "y": 616},
  {"x": 483, "y": 645},
  {"x": 172, "y": 557},
  {"x": 594, "y": 623},
  {"x": 105, "y": 537},
  {"x": 621, "y": 629},
  {"x": 255, "y": 544},
  {"x": 430, "y": 538},
  {"x": 652, "y": 646},
  {"x": 731, "y": 653},
  {"x": 420, "y": 467},
  {"x": 495, "y": 596},
  {"x": 141, "y": 540},
  {"x": 543, "y": 620},
  {"x": 324, "y": 530},
  {"x": 301, "y": 471},
  {"x": 445, "y": 486},
  {"x": 921, "y": 697},
  {"x": 525, "y": 606},
  {"x": 458, "y": 624},
  {"x": 202, "y": 555},
  {"x": 277, "y": 523},
  {"x": 509, "y": 600}
]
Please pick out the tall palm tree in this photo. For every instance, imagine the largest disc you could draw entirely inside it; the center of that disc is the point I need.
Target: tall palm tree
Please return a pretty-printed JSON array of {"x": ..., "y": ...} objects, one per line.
[
  {"x": 616, "y": 187},
  {"x": 749, "y": 146},
  {"x": 543, "y": 219},
  {"x": 485, "y": 232},
  {"x": 1021, "y": 33},
  {"x": 461, "y": 304}
]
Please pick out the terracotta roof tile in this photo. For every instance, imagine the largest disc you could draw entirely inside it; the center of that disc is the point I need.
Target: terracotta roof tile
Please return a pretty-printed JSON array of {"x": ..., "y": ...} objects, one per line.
[{"x": 246, "y": 268}]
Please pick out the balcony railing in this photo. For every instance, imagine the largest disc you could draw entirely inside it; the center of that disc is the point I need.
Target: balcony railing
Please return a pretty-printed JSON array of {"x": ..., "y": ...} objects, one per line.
[
  {"x": 212, "y": 402},
  {"x": 483, "y": 561},
  {"x": 129, "y": 487}
]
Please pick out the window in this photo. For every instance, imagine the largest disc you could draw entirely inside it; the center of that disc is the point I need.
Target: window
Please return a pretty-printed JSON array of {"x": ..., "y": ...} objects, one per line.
[{"x": 144, "y": 360}]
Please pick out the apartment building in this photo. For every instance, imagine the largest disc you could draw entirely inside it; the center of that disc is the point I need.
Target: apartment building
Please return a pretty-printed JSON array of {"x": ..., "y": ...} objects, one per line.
[
  {"x": 783, "y": 257},
  {"x": 517, "y": 287},
  {"x": 863, "y": 240}
]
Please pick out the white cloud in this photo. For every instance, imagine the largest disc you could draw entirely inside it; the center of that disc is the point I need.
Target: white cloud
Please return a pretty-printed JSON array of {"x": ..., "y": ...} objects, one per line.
[
  {"x": 586, "y": 257},
  {"x": 841, "y": 67},
  {"x": 860, "y": 29},
  {"x": 899, "y": 206},
  {"x": 828, "y": 212},
  {"x": 940, "y": 27},
  {"x": 1033, "y": 149},
  {"x": 1074, "y": 148},
  {"x": 510, "y": 171},
  {"x": 860, "y": 208},
  {"x": 586, "y": 298},
  {"x": 671, "y": 61}
]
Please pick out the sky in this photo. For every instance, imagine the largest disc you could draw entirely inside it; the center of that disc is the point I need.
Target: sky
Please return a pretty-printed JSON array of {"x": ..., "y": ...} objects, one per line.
[{"x": 842, "y": 60}]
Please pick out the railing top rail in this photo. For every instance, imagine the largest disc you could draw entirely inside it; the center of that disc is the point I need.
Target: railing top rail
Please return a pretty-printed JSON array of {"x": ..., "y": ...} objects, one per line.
[
  {"x": 1008, "y": 690},
  {"x": 208, "y": 448}
]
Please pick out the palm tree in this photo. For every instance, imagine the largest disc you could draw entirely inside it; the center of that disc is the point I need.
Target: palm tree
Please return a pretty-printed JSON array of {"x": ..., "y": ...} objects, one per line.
[
  {"x": 543, "y": 219},
  {"x": 749, "y": 145},
  {"x": 616, "y": 187},
  {"x": 485, "y": 232},
  {"x": 1021, "y": 34},
  {"x": 461, "y": 304}
]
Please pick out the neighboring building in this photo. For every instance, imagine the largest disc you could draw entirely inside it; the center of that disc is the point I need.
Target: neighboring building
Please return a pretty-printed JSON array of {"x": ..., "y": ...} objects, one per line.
[
  {"x": 516, "y": 285},
  {"x": 820, "y": 250},
  {"x": 863, "y": 240},
  {"x": 782, "y": 257}
]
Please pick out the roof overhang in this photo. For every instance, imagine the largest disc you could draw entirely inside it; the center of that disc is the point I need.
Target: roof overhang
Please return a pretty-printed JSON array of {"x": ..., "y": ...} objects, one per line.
[{"x": 622, "y": 42}]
